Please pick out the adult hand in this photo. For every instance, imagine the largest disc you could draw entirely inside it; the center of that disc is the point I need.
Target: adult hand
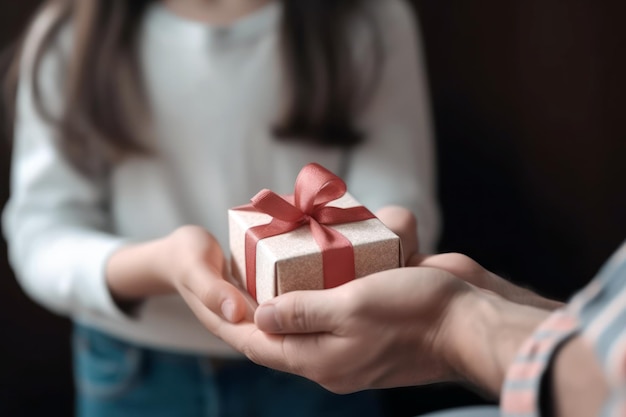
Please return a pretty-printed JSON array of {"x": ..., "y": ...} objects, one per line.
[
  {"x": 471, "y": 271},
  {"x": 388, "y": 329},
  {"x": 401, "y": 327}
]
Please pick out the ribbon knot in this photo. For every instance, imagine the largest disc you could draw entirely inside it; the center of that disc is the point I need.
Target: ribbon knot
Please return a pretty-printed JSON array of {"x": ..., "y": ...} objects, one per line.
[{"x": 315, "y": 187}]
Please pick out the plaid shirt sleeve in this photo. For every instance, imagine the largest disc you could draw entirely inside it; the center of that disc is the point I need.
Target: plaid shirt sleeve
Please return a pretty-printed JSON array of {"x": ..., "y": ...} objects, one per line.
[{"x": 598, "y": 314}]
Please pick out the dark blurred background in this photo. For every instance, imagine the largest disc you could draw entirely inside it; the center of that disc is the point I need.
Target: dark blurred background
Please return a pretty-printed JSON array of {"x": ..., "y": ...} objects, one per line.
[{"x": 529, "y": 105}]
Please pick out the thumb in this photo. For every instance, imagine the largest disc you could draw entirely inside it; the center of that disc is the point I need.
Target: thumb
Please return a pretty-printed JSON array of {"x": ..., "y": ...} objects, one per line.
[{"x": 298, "y": 312}]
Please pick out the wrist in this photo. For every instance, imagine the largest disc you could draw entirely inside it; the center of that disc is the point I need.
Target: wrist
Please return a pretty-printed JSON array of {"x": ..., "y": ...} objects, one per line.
[
  {"x": 165, "y": 266},
  {"x": 137, "y": 271},
  {"x": 486, "y": 333}
]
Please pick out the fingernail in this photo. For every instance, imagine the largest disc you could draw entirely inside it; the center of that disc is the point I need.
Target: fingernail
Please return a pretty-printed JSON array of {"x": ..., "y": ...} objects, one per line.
[
  {"x": 228, "y": 310},
  {"x": 267, "y": 319}
]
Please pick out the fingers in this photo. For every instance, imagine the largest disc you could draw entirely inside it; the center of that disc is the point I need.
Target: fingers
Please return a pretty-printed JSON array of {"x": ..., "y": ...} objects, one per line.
[
  {"x": 261, "y": 348},
  {"x": 403, "y": 223},
  {"x": 280, "y": 352},
  {"x": 217, "y": 294},
  {"x": 458, "y": 265},
  {"x": 300, "y": 312},
  {"x": 241, "y": 334},
  {"x": 287, "y": 353}
]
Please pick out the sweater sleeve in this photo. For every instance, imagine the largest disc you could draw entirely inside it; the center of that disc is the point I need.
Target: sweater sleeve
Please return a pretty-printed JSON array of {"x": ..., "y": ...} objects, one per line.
[
  {"x": 55, "y": 222},
  {"x": 597, "y": 314},
  {"x": 396, "y": 164}
]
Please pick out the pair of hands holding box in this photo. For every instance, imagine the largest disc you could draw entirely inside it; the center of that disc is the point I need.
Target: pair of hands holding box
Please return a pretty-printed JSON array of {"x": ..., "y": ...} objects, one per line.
[{"x": 434, "y": 320}]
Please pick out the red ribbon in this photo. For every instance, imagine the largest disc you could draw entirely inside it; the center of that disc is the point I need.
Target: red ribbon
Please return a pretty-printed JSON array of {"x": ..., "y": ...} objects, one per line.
[{"x": 315, "y": 187}]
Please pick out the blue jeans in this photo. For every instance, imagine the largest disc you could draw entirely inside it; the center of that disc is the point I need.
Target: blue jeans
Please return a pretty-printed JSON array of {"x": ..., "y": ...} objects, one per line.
[{"x": 117, "y": 379}]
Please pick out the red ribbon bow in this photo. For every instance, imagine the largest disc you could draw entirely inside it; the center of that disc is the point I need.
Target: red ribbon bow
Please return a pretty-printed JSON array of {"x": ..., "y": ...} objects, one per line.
[{"x": 315, "y": 187}]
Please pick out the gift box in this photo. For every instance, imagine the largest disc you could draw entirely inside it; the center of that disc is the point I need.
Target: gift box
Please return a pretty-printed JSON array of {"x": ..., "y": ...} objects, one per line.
[{"x": 320, "y": 237}]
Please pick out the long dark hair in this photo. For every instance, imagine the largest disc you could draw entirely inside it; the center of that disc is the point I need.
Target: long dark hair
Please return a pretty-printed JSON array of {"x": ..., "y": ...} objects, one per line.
[{"x": 103, "y": 91}]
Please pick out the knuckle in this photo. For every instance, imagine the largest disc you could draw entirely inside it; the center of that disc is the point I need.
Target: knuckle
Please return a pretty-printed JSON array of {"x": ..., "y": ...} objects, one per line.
[
  {"x": 458, "y": 258},
  {"x": 468, "y": 269},
  {"x": 186, "y": 233},
  {"x": 206, "y": 298},
  {"x": 465, "y": 263},
  {"x": 210, "y": 295}
]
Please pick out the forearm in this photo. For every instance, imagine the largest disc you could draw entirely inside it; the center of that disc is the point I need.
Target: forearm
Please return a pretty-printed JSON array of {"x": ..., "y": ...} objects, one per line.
[
  {"x": 138, "y": 271},
  {"x": 189, "y": 261},
  {"x": 488, "y": 333}
]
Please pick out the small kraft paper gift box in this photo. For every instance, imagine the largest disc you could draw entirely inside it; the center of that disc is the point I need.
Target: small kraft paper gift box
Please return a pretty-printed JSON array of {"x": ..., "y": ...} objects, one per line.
[{"x": 318, "y": 238}]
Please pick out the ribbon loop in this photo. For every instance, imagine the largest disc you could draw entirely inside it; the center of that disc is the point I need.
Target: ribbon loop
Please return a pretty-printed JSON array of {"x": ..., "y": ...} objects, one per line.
[
  {"x": 316, "y": 186},
  {"x": 269, "y": 202}
]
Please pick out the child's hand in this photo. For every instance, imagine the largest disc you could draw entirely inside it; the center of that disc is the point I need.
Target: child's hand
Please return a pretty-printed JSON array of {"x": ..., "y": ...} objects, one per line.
[
  {"x": 199, "y": 273},
  {"x": 403, "y": 223}
]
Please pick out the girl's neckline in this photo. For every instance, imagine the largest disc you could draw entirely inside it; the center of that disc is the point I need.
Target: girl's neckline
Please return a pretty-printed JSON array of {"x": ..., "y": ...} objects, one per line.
[{"x": 259, "y": 21}]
